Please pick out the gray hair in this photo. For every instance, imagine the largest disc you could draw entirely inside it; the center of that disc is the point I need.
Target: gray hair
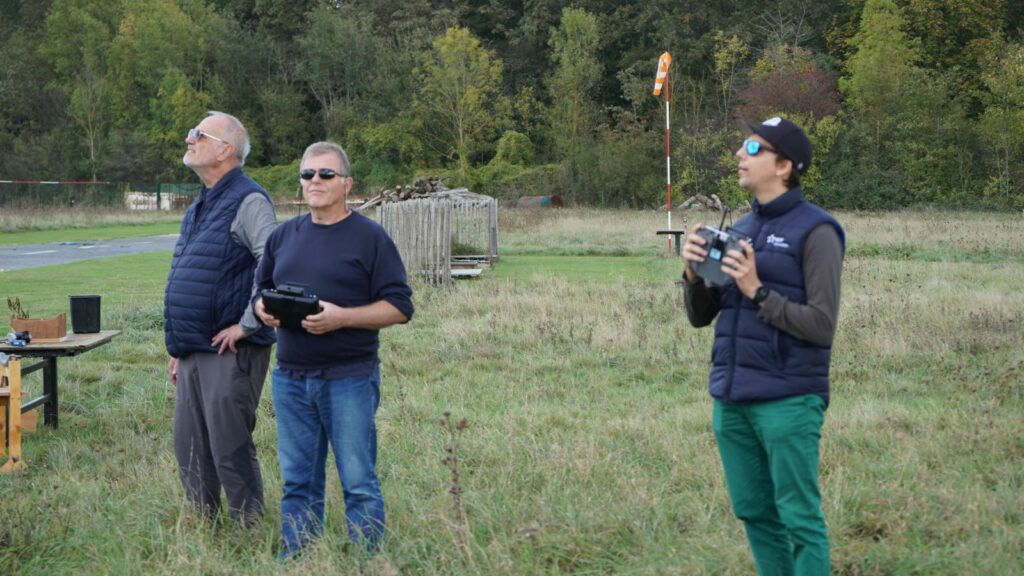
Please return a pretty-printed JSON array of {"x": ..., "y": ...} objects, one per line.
[
  {"x": 236, "y": 134},
  {"x": 320, "y": 148}
]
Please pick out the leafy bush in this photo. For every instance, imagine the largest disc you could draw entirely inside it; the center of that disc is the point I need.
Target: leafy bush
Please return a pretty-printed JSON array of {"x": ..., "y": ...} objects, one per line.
[
  {"x": 620, "y": 169},
  {"x": 514, "y": 148},
  {"x": 281, "y": 181},
  {"x": 384, "y": 155}
]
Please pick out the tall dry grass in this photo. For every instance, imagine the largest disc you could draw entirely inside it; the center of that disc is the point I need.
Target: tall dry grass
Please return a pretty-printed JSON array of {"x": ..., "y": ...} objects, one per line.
[
  {"x": 34, "y": 219},
  {"x": 589, "y": 448}
]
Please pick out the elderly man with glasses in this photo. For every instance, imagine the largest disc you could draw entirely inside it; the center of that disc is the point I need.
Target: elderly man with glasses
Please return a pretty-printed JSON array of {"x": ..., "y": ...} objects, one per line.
[
  {"x": 219, "y": 350},
  {"x": 326, "y": 384},
  {"x": 777, "y": 312}
]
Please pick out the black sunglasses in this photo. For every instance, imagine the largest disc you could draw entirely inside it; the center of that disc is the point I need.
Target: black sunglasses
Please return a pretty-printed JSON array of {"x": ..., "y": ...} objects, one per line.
[{"x": 325, "y": 174}]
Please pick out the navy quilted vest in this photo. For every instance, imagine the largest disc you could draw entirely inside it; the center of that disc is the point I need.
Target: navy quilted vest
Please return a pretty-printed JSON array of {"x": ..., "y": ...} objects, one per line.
[
  {"x": 210, "y": 282},
  {"x": 752, "y": 360}
]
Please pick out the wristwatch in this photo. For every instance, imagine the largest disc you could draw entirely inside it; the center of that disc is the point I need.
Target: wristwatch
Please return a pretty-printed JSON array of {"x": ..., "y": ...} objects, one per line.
[{"x": 760, "y": 295}]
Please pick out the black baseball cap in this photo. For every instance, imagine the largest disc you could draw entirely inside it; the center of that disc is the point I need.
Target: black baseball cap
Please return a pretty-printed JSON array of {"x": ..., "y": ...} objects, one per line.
[{"x": 787, "y": 138}]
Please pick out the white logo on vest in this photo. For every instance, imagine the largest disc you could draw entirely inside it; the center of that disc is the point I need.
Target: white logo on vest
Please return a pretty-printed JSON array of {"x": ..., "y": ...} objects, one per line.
[{"x": 777, "y": 241}]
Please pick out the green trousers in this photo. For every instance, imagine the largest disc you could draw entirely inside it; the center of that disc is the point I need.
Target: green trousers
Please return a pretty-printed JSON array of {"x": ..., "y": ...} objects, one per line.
[{"x": 769, "y": 452}]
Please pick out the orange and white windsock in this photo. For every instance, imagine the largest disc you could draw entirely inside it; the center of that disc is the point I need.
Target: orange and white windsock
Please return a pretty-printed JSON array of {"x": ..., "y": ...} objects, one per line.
[{"x": 663, "y": 64}]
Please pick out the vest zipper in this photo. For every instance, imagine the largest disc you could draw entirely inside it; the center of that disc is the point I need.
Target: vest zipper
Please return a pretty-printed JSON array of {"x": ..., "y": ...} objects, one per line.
[
  {"x": 736, "y": 322},
  {"x": 732, "y": 363}
]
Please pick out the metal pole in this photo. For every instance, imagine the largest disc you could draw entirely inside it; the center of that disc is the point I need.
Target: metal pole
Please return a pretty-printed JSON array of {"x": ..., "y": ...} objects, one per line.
[{"x": 50, "y": 390}]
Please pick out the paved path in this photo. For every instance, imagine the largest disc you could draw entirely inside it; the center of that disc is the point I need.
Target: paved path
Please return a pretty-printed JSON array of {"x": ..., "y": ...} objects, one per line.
[{"x": 36, "y": 255}]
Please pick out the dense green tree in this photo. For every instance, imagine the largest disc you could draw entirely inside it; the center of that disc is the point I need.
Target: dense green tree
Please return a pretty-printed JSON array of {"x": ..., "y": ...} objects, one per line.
[
  {"x": 153, "y": 36},
  {"x": 343, "y": 64},
  {"x": 1002, "y": 123},
  {"x": 880, "y": 69},
  {"x": 955, "y": 35},
  {"x": 280, "y": 21},
  {"x": 106, "y": 88},
  {"x": 31, "y": 110},
  {"x": 905, "y": 120},
  {"x": 730, "y": 53},
  {"x": 259, "y": 84},
  {"x": 176, "y": 107},
  {"x": 78, "y": 35},
  {"x": 161, "y": 44},
  {"x": 459, "y": 97},
  {"x": 573, "y": 112},
  {"x": 387, "y": 153}
]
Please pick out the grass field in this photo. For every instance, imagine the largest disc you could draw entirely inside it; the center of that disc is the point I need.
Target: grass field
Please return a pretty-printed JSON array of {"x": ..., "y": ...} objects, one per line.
[{"x": 588, "y": 448}]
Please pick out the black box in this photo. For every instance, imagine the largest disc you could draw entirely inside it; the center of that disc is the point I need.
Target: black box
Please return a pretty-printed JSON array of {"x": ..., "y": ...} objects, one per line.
[
  {"x": 290, "y": 304},
  {"x": 85, "y": 314}
]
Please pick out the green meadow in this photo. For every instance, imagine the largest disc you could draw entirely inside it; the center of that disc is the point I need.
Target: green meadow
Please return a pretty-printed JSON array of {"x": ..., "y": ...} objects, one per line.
[{"x": 588, "y": 447}]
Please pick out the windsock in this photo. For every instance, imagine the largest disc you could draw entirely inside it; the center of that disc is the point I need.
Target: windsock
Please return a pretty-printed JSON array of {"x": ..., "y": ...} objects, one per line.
[{"x": 659, "y": 80}]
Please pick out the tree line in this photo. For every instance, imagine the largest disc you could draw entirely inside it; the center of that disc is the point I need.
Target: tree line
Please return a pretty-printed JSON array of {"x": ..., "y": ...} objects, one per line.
[{"x": 908, "y": 102}]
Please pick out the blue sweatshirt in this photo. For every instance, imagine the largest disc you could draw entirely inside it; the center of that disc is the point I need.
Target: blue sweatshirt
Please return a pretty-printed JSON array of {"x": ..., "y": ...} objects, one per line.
[{"x": 350, "y": 263}]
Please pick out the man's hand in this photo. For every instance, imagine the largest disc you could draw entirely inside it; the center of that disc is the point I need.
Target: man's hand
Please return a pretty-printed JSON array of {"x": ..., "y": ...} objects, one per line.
[
  {"x": 172, "y": 371},
  {"x": 228, "y": 337},
  {"x": 330, "y": 318},
  {"x": 742, "y": 267},
  {"x": 693, "y": 252},
  {"x": 265, "y": 316}
]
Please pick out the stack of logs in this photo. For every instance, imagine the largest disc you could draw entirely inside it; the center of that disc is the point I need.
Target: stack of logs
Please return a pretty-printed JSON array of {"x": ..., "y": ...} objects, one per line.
[
  {"x": 420, "y": 188},
  {"x": 702, "y": 202}
]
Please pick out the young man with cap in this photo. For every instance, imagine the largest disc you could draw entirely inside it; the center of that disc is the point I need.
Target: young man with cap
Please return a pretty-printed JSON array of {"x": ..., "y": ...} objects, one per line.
[{"x": 772, "y": 348}]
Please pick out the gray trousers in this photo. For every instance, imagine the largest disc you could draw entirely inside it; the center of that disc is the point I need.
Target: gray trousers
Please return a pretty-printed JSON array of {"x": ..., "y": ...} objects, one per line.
[{"x": 214, "y": 416}]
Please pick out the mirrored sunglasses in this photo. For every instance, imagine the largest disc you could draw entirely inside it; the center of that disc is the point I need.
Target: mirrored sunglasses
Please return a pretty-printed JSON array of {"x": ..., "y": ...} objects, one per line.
[
  {"x": 325, "y": 174},
  {"x": 753, "y": 147}
]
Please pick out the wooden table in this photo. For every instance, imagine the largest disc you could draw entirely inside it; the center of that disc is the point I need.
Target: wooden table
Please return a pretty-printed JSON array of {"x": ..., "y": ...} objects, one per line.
[{"x": 73, "y": 345}]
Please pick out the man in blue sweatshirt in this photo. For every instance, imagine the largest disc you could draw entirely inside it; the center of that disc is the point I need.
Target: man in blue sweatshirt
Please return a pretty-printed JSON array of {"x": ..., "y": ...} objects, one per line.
[
  {"x": 772, "y": 348},
  {"x": 326, "y": 385}
]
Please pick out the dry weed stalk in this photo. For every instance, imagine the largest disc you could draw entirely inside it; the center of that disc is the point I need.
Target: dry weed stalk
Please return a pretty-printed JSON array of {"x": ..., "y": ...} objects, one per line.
[
  {"x": 15, "y": 307},
  {"x": 451, "y": 461}
]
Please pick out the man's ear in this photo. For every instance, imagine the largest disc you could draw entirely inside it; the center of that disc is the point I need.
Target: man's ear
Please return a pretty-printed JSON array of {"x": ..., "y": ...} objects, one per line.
[
  {"x": 784, "y": 167},
  {"x": 226, "y": 151}
]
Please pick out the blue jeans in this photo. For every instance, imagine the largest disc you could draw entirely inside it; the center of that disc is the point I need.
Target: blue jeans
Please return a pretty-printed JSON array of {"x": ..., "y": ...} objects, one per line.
[{"x": 310, "y": 413}]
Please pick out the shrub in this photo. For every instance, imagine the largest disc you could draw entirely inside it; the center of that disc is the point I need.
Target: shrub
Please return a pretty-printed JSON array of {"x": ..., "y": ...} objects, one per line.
[
  {"x": 514, "y": 148},
  {"x": 280, "y": 181}
]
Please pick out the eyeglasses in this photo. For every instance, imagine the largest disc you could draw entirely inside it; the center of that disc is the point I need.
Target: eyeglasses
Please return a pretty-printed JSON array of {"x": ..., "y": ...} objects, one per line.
[
  {"x": 325, "y": 174},
  {"x": 753, "y": 147},
  {"x": 196, "y": 134}
]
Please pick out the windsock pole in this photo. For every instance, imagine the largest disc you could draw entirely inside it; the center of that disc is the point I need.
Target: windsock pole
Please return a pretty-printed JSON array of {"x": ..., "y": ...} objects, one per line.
[
  {"x": 662, "y": 79},
  {"x": 668, "y": 163}
]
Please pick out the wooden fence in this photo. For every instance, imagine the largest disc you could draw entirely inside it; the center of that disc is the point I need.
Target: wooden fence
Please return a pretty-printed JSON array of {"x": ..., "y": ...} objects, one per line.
[{"x": 422, "y": 230}]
